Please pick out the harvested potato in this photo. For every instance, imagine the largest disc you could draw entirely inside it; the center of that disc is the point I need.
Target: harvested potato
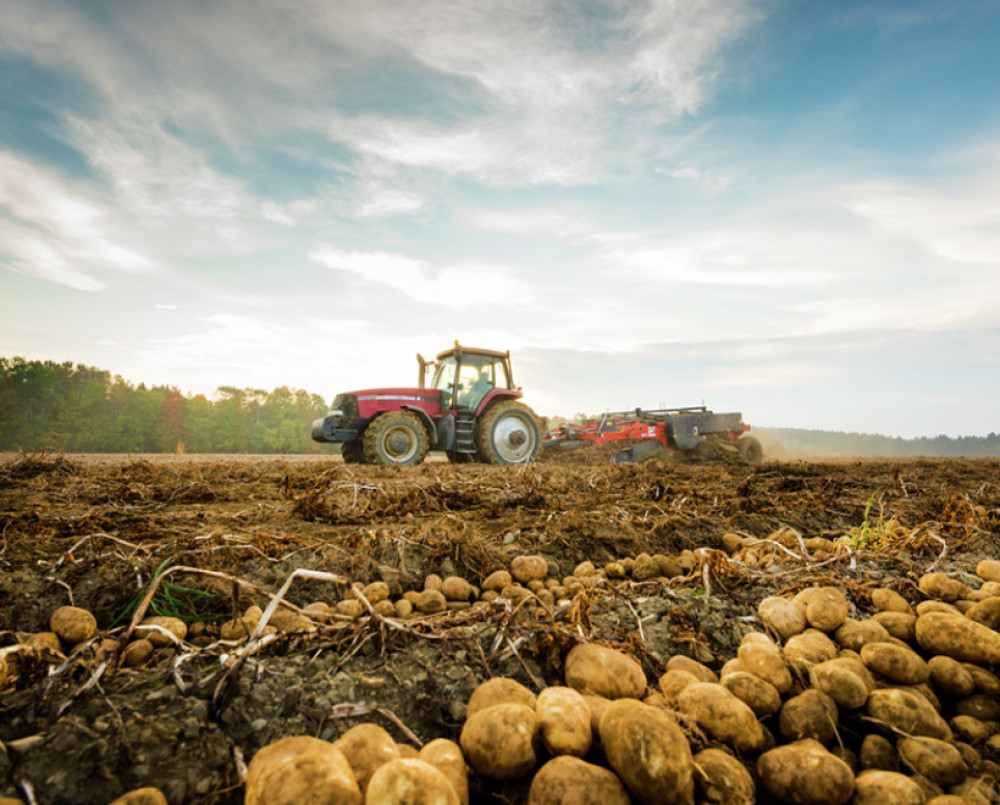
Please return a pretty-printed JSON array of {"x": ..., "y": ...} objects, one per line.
[
  {"x": 568, "y": 780},
  {"x": 591, "y": 668},
  {"x": 366, "y": 747},
  {"x": 989, "y": 570},
  {"x": 969, "y": 729},
  {"x": 139, "y": 796},
  {"x": 564, "y": 721},
  {"x": 758, "y": 655},
  {"x": 804, "y": 773},
  {"x": 73, "y": 624},
  {"x": 852, "y": 634},
  {"x": 934, "y": 606},
  {"x": 446, "y": 756},
  {"x": 877, "y": 787},
  {"x": 430, "y": 601},
  {"x": 759, "y": 695},
  {"x": 895, "y": 663},
  {"x": 985, "y": 681},
  {"x": 986, "y": 612},
  {"x": 839, "y": 680},
  {"x": 497, "y": 580},
  {"x": 950, "y": 676},
  {"x": 47, "y": 639},
  {"x": 811, "y": 714},
  {"x": 887, "y": 600},
  {"x": 907, "y": 711},
  {"x": 597, "y": 705},
  {"x": 938, "y": 585},
  {"x": 499, "y": 742},
  {"x": 528, "y": 568},
  {"x": 802, "y": 651},
  {"x": 782, "y": 615},
  {"x": 722, "y": 715},
  {"x": 956, "y": 636},
  {"x": 499, "y": 690},
  {"x": 826, "y": 609},
  {"x": 284, "y": 620},
  {"x": 979, "y": 705},
  {"x": 407, "y": 751},
  {"x": 649, "y": 752},
  {"x": 289, "y": 771},
  {"x": 673, "y": 682},
  {"x": 901, "y": 625},
  {"x": 934, "y": 759},
  {"x": 455, "y": 588},
  {"x": 681, "y": 663},
  {"x": 376, "y": 591},
  {"x": 877, "y": 752},
  {"x": 722, "y": 779},
  {"x": 410, "y": 782},
  {"x": 137, "y": 653}
]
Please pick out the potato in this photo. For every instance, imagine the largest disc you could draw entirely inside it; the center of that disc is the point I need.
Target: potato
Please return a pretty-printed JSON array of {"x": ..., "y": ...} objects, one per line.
[
  {"x": 722, "y": 715},
  {"x": 649, "y": 752},
  {"x": 353, "y": 608},
  {"x": 568, "y": 780},
  {"x": 802, "y": 651},
  {"x": 366, "y": 747},
  {"x": 499, "y": 690},
  {"x": 934, "y": 606},
  {"x": 73, "y": 624},
  {"x": 936, "y": 760},
  {"x": 760, "y": 696},
  {"x": 137, "y": 653},
  {"x": 455, "y": 588},
  {"x": 950, "y": 676},
  {"x": 527, "y": 568},
  {"x": 292, "y": 770},
  {"x": 284, "y": 620},
  {"x": 375, "y": 592},
  {"x": 811, "y": 714},
  {"x": 887, "y": 600},
  {"x": 877, "y": 787},
  {"x": 895, "y": 664},
  {"x": 852, "y": 634},
  {"x": 497, "y": 580},
  {"x": 721, "y": 778},
  {"x": 956, "y": 636},
  {"x": 591, "y": 668},
  {"x": 826, "y": 609},
  {"x": 139, "y": 796},
  {"x": 673, "y": 682},
  {"x": 803, "y": 773},
  {"x": 986, "y": 612},
  {"x": 446, "y": 756},
  {"x": 430, "y": 601},
  {"x": 47, "y": 639},
  {"x": 407, "y": 751},
  {"x": 782, "y": 615},
  {"x": 403, "y": 608},
  {"x": 976, "y": 791},
  {"x": 758, "y": 655},
  {"x": 564, "y": 721},
  {"x": 499, "y": 742},
  {"x": 877, "y": 752},
  {"x": 989, "y": 570},
  {"x": 840, "y": 682},
  {"x": 985, "y": 681},
  {"x": 938, "y": 585},
  {"x": 901, "y": 625},
  {"x": 597, "y": 705},
  {"x": 907, "y": 711},
  {"x": 681, "y": 663},
  {"x": 410, "y": 782},
  {"x": 969, "y": 729},
  {"x": 979, "y": 705}
]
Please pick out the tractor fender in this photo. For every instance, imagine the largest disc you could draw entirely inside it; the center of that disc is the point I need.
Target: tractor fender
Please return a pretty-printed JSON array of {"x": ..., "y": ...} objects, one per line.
[
  {"x": 497, "y": 394},
  {"x": 425, "y": 419}
]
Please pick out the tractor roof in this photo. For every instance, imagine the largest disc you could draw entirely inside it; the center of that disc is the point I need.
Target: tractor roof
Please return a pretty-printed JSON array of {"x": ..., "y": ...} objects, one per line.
[{"x": 492, "y": 353}]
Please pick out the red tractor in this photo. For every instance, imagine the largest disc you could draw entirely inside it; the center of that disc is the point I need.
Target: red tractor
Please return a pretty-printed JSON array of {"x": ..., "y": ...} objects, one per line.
[{"x": 471, "y": 410}]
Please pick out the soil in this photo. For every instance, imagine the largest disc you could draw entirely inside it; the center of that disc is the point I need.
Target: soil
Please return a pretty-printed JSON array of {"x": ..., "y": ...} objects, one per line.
[{"x": 93, "y": 531}]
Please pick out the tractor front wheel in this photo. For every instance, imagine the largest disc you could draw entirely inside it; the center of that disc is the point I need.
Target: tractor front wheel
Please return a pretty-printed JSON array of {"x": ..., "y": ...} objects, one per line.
[
  {"x": 750, "y": 450},
  {"x": 508, "y": 433},
  {"x": 397, "y": 437}
]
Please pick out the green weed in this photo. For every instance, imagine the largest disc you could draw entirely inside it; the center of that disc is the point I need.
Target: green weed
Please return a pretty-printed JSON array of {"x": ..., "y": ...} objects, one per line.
[{"x": 172, "y": 600}]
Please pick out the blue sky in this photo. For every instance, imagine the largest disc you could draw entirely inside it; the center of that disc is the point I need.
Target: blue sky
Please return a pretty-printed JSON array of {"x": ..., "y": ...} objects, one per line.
[{"x": 790, "y": 209}]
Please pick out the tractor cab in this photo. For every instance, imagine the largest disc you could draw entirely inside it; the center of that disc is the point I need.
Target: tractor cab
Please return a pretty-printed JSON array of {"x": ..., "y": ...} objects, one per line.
[{"x": 465, "y": 376}]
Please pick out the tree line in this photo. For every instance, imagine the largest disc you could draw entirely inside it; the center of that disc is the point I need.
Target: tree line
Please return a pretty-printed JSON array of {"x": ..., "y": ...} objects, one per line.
[
  {"x": 801, "y": 441},
  {"x": 80, "y": 409}
]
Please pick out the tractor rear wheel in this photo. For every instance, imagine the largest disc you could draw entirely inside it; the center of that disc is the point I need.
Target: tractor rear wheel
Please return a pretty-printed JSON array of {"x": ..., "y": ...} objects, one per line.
[
  {"x": 750, "y": 450},
  {"x": 352, "y": 452},
  {"x": 396, "y": 437},
  {"x": 508, "y": 433}
]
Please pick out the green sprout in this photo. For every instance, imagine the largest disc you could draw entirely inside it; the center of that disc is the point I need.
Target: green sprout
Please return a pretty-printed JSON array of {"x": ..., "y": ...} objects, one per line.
[
  {"x": 171, "y": 600},
  {"x": 869, "y": 535}
]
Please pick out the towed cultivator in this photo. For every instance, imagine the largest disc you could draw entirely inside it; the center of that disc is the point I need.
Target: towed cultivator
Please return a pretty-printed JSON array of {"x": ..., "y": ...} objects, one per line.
[{"x": 694, "y": 430}]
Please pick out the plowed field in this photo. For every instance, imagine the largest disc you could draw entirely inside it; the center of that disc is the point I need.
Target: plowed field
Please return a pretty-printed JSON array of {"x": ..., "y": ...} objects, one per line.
[{"x": 218, "y": 534}]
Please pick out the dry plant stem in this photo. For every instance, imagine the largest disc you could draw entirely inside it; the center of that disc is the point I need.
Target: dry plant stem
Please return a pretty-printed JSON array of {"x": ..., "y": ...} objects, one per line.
[
  {"x": 942, "y": 555},
  {"x": 356, "y": 710}
]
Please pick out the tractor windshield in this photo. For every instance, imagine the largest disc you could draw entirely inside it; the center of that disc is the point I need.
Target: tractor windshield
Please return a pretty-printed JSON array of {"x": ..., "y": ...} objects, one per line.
[{"x": 472, "y": 377}]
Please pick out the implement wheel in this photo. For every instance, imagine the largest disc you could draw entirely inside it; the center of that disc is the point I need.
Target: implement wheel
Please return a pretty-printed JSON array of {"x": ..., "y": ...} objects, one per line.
[
  {"x": 508, "y": 433},
  {"x": 750, "y": 450},
  {"x": 397, "y": 437}
]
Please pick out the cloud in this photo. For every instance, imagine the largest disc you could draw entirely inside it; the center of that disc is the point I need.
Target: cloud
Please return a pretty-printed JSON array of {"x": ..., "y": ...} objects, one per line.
[
  {"x": 53, "y": 231},
  {"x": 286, "y": 214}
]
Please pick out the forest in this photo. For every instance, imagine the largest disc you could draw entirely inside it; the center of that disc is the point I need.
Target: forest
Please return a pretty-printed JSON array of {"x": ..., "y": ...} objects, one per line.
[{"x": 45, "y": 405}]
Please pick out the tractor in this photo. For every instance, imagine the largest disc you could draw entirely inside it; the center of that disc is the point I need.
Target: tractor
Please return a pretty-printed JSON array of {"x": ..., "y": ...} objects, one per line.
[{"x": 471, "y": 410}]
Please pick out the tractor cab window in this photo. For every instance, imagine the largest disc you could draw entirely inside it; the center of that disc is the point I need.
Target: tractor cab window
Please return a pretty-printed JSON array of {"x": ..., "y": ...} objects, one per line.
[{"x": 473, "y": 378}]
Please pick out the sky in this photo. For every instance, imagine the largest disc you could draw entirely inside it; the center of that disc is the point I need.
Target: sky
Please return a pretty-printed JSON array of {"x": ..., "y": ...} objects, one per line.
[{"x": 780, "y": 207}]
